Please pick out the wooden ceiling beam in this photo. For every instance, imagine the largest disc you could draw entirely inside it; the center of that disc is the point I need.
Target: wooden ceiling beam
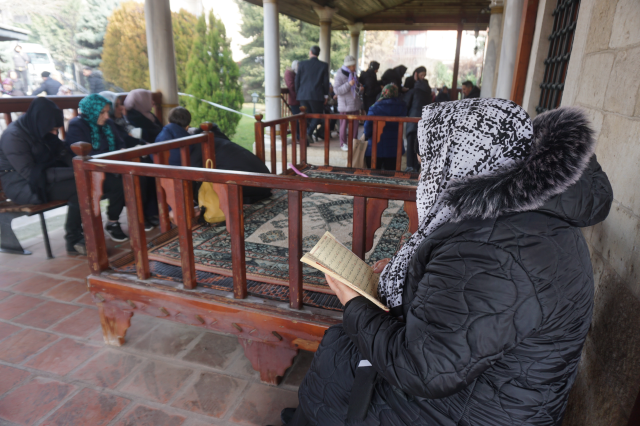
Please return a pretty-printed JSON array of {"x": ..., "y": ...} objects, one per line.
[{"x": 437, "y": 19}]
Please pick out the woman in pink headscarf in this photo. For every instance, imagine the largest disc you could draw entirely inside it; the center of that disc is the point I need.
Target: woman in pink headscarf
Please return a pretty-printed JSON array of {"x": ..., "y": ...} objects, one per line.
[{"x": 138, "y": 105}]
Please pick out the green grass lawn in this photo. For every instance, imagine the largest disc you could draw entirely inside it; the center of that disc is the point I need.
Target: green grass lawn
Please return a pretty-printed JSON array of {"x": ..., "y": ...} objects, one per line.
[{"x": 245, "y": 131}]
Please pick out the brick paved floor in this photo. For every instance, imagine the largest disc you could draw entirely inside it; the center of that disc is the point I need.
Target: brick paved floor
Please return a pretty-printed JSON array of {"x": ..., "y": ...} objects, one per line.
[{"x": 56, "y": 370}]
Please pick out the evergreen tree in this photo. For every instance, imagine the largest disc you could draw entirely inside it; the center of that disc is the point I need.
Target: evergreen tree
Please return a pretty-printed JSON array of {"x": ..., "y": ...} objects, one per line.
[
  {"x": 296, "y": 38},
  {"x": 213, "y": 75},
  {"x": 184, "y": 24},
  {"x": 125, "y": 61},
  {"x": 91, "y": 30}
]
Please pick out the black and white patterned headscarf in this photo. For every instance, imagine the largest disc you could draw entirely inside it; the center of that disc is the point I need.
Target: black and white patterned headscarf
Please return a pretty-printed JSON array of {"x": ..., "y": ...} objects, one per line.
[{"x": 457, "y": 139}]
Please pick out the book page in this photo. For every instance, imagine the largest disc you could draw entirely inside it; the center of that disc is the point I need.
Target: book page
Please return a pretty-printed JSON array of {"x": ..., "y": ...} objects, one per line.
[{"x": 332, "y": 254}]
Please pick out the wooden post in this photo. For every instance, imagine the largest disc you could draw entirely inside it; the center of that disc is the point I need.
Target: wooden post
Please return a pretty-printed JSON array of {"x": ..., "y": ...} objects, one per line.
[
  {"x": 295, "y": 250},
  {"x": 238, "y": 260},
  {"x": 180, "y": 215},
  {"x": 374, "y": 145},
  {"x": 185, "y": 160},
  {"x": 283, "y": 144},
  {"x": 303, "y": 135},
  {"x": 527, "y": 28},
  {"x": 400, "y": 146},
  {"x": 327, "y": 141},
  {"x": 351, "y": 125},
  {"x": 259, "y": 134},
  {"x": 163, "y": 206},
  {"x": 135, "y": 215},
  {"x": 274, "y": 158},
  {"x": 456, "y": 64},
  {"x": 208, "y": 147},
  {"x": 91, "y": 219},
  {"x": 294, "y": 142},
  {"x": 359, "y": 226}
]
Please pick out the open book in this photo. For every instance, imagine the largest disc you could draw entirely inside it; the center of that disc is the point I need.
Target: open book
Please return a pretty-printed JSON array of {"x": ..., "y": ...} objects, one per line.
[{"x": 340, "y": 263}]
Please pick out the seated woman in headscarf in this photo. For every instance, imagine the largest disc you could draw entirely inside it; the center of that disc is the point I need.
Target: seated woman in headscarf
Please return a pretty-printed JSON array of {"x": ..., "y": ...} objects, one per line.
[
  {"x": 491, "y": 298},
  {"x": 138, "y": 105},
  {"x": 94, "y": 125},
  {"x": 229, "y": 155},
  {"x": 35, "y": 167},
  {"x": 128, "y": 133},
  {"x": 389, "y": 105}
]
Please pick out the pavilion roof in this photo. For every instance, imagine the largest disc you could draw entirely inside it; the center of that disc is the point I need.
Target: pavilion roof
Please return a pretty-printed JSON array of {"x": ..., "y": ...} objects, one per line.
[{"x": 391, "y": 14}]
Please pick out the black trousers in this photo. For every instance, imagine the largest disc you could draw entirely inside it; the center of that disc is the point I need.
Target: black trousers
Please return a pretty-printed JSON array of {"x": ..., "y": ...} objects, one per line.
[
  {"x": 66, "y": 190},
  {"x": 412, "y": 151},
  {"x": 113, "y": 190},
  {"x": 313, "y": 107},
  {"x": 384, "y": 163}
]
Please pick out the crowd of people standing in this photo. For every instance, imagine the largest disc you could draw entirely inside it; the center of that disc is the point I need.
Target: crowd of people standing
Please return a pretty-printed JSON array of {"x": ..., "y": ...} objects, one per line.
[{"x": 309, "y": 86}]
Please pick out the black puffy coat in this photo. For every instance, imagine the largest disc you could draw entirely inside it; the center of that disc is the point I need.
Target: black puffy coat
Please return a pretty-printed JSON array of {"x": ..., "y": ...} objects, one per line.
[
  {"x": 496, "y": 310},
  {"x": 417, "y": 98}
]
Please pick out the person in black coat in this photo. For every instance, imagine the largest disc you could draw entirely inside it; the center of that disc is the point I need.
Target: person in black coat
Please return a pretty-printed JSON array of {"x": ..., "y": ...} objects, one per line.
[
  {"x": 138, "y": 105},
  {"x": 418, "y": 74},
  {"x": 491, "y": 298},
  {"x": 312, "y": 87},
  {"x": 95, "y": 79},
  {"x": 372, "y": 87},
  {"x": 35, "y": 167},
  {"x": 443, "y": 95},
  {"x": 49, "y": 85},
  {"x": 416, "y": 99},
  {"x": 469, "y": 90}
]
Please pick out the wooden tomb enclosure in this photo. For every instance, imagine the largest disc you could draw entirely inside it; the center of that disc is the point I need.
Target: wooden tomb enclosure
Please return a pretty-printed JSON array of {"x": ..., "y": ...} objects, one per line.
[{"x": 271, "y": 332}]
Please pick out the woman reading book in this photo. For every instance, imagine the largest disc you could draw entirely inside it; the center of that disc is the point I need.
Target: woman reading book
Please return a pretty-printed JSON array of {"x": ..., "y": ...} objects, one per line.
[{"x": 491, "y": 298}]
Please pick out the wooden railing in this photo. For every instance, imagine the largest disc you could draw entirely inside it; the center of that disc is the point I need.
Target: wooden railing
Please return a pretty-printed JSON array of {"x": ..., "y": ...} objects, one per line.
[
  {"x": 284, "y": 105},
  {"x": 21, "y": 104},
  {"x": 126, "y": 162},
  {"x": 289, "y": 123}
]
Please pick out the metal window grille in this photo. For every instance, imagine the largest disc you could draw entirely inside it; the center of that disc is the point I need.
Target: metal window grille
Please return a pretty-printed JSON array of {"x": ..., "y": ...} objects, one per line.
[{"x": 561, "y": 40}]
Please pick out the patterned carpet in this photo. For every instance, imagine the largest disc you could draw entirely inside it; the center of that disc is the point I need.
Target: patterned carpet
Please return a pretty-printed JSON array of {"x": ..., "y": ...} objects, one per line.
[{"x": 266, "y": 241}]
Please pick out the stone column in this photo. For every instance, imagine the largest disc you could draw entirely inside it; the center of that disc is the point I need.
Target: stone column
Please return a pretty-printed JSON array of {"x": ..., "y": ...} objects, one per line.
[
  {"x": 271, "y": 59},
  {"x": 162, "y": 61},
  {"x": 355, "y": 29},
  {"x": 493, "y": 50},
  {"x": 509, "y": 48},
  {"x": 325, "y": 14}
]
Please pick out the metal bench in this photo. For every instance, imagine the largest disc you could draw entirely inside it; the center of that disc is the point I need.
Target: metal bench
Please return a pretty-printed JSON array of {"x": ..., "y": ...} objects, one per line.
[{"x": 9, "y": 210}]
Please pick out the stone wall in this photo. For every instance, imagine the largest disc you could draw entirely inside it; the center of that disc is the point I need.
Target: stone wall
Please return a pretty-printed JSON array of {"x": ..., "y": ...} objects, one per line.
[{"x": 604, "y": 78}]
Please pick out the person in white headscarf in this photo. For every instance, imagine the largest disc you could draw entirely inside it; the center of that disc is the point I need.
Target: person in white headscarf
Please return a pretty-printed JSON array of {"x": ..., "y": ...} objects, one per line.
[{"x": 491, "y": 298}]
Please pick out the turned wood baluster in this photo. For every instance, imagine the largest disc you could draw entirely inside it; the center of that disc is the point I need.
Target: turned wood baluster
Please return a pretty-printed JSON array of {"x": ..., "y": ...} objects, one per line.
[
  {"x": 359, "y": 226},
  {"x": 7, "y": 118},
  {"x": 259, "y": 134},
  {"x": 181, "y": 216},
  {"x": 294, "y": 144},
  {"x": 303, "y": 135},
  {"x": 400, "y": 145},
  {"x": 238, "y": 260},
  {"x": 350, "y": 142},
  {"x": 185, "y": 161},
  {"x": 284, "y": 127},
  {"x": 274, "y": 158},
  {"x": 374, "y": 145},
  {"x": 327, "y": 140},
  {"x": 163, "y": 206},
  {"x": 135, "y": 215},
  {"x": 296, "y": 294},
  {"x": 91, "y": 219}
]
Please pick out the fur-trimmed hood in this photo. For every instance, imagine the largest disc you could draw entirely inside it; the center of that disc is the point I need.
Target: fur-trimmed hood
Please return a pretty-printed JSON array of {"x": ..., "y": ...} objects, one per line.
[{"x": 547, "y": 180}]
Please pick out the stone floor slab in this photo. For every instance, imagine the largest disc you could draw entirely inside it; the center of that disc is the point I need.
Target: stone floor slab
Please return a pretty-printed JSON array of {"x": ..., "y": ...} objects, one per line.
[
  {"x": 67, "y": 291},
  {"x": 37, "y": 284},
  {"x": 262, "y": 404},
  {"x": 63, "y": 357},
  {"x": 108, "y": 369},
  {"x": 214, "y": 350},
  {"x": 146, "y": 416},
  {"x": 9, "y": 278},
  {"x": 33, "y": 400},
  {"x": 299, "y": 369},
  {"x": 87, "y": 407},
  {"x": 81, "y": 324},
  {"x": 158, "y": 381},
  {"x": 19, "y": 346},
  {"x": 46, "y": 315},
  {"x": 5, "y": 294},
  {"x": 58, "y": 266},
  {"x": 80, "y": 272},
  {"x": 8, "y": 329},
  {"x": 168, "y": 340},
  {"x": 212, "y": 395},
  {"x": 10, "y": 377},
  {"x": 17, "y": 305}
]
